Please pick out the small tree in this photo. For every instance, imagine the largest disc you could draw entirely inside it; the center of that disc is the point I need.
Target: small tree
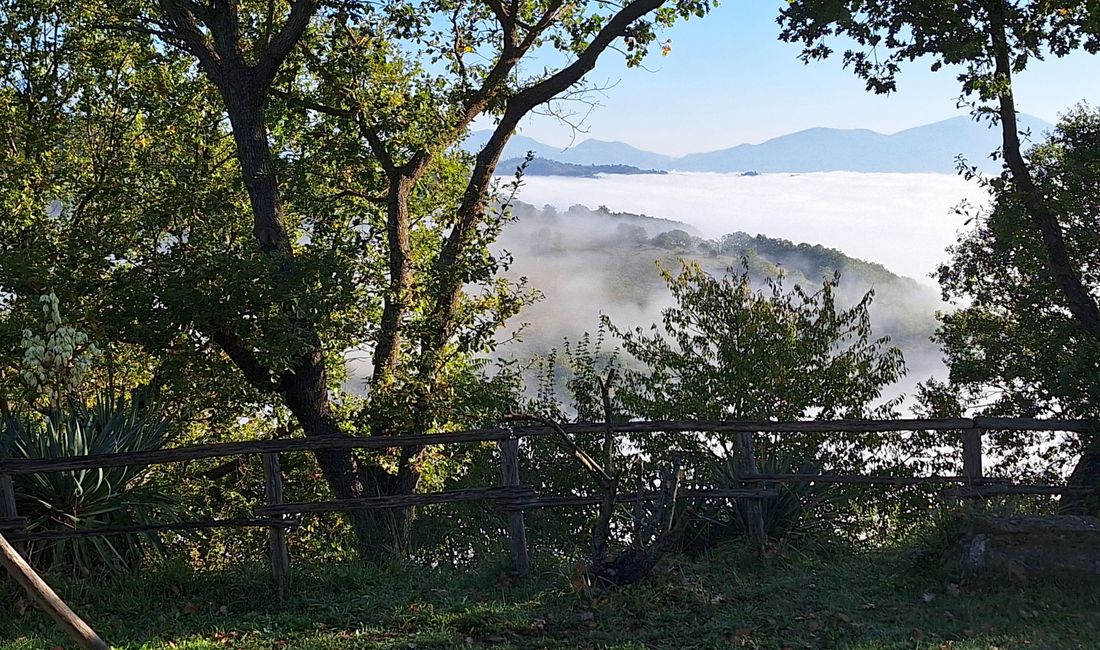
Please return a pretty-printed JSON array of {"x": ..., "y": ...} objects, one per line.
[
  {"x": 1013, "y": 347},
  {"x": 726, "y": 351}
]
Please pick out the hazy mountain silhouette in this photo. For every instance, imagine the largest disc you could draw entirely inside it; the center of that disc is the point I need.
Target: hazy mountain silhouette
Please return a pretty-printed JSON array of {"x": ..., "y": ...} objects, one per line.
[{"x": 929, "y": 148}]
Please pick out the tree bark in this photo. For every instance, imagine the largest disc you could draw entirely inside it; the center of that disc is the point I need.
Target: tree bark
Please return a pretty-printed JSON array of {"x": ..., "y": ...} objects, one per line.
[
  {"x": 1080, "y": 303},
  {"x": 1077, "y": 298},
  {"x": 244, "y": 89}
]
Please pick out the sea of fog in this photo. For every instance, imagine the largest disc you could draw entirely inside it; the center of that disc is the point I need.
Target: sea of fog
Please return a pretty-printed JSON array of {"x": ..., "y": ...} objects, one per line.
[{"x": 903, "y": 221}]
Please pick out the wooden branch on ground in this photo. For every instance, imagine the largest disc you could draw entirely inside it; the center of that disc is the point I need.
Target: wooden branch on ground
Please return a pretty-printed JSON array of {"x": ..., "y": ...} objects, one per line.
[{"x": 22, "y": 573}]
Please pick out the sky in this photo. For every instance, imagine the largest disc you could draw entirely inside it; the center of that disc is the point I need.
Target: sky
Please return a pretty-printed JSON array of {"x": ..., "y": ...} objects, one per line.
[{"x": 728, "y": 80}]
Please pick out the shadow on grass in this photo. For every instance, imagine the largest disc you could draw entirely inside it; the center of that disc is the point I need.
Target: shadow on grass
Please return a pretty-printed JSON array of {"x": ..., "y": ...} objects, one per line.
[{"x": 855, "y": 600}]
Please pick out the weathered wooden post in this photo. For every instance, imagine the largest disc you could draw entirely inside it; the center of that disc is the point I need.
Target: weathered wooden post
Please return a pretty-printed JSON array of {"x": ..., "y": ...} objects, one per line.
[
  {"x": 7, "y": 499},
  {"x": 972, "y": 454},
  {"x": 972, "y": 463},
  {"x": 273, "y": 491},
  {"x": 754, "y": 511},
  {"x": 22, "y": 573},
  {"x": 517, "y": 533}
]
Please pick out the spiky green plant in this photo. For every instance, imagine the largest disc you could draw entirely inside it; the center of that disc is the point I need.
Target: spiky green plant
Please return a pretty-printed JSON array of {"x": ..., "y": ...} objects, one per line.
[
  {"x": 88, "y": 499},
  {"x": 799, "y": 512}
]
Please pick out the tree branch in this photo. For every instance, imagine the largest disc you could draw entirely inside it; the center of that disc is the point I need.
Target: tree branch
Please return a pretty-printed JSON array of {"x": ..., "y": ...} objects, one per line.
[
  {"x": 1079, "y": 301},
  {"x": 281, "y": 45},
  {"x": 245, "y": 359}
]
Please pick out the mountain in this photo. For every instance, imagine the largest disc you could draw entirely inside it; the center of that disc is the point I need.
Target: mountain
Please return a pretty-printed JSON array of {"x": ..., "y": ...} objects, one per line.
[
  {"x": 588, "y": 152},
  {"x": 929, "y": 148},
  {"x": 544, "y": 167}
]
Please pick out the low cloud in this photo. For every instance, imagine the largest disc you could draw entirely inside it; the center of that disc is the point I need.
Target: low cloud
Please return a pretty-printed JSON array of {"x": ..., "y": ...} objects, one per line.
[{"x": 903, "y": 221}]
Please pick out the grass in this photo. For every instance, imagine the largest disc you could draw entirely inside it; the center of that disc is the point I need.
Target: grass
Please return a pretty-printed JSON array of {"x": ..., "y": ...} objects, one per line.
[{"x": 858, "y": 600}]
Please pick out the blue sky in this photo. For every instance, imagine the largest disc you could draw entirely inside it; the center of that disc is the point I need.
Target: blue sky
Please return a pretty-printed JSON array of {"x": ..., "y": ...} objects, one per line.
[{"x": 729, "y": 80}]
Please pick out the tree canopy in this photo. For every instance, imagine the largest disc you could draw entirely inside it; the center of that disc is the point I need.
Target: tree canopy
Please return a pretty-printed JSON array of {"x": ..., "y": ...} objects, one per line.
[{"x": 231, "y": 196}]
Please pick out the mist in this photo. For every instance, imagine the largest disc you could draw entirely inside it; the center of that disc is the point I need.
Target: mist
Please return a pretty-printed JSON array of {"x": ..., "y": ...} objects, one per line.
[
  {"x": 902, "y": 221},
  {"x": 586, "y": 261}
]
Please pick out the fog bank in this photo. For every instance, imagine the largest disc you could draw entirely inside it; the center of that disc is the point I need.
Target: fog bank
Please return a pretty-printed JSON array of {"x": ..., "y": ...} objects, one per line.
[{"x": 903, "y": 221}]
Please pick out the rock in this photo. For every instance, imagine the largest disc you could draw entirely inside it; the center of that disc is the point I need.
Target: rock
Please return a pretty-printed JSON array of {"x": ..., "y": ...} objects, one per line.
[{"x": 1024, "y": 548}]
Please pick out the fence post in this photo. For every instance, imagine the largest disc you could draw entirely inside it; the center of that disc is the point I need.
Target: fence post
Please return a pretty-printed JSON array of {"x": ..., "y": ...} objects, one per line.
[
  {"x": 273, "y": 491},
  {"x": 517, "y": 533},
  {"x": 972, "y": 454},
  {"x": 754, "y": 512},
  {"x": 7, "y": 498}
]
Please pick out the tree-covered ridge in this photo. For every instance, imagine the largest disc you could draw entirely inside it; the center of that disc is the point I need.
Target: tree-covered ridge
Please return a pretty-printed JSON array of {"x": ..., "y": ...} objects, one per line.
[
  {"x": 588, "y": 262},
  {"x": 546, "y": 167}
]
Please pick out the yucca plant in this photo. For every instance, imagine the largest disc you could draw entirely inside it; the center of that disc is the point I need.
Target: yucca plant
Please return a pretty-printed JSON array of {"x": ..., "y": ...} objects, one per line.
[
  {"x": 799, "y": 512},
  {"x": 88, "y": 499}
]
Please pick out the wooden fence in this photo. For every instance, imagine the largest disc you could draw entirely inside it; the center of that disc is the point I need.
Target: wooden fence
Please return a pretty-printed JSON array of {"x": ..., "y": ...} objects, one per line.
[{"x": 512, "y": 497}]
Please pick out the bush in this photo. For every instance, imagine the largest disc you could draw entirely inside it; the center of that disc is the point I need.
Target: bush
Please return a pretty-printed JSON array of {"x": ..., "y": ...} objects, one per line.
[
  {"x": 800, "y": 512},
  {"x": 87, "y": 499}
]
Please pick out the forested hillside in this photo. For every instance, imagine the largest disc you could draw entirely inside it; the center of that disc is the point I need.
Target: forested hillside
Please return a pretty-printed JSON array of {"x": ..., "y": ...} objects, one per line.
[{"x": 593, "y": 261}]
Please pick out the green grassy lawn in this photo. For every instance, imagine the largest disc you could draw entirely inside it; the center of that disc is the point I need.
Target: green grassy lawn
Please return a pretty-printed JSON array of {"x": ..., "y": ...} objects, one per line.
[{"x": 860, "y": 600}]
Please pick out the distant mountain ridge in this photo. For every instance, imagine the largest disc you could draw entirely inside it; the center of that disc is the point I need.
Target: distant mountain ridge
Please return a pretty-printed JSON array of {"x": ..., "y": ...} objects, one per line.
[
  {"x": 931, "y": 148},
  {"x": 544, "y": 167}
]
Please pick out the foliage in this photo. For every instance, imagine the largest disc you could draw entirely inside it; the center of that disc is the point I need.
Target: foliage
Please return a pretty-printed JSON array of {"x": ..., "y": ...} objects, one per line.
[
  {"x": 88, "y": 499},
  {"x": 886, "y": 34},
  {"x": 725, "y": 351},
  {"x": 800, "y": 514},
  {"x": 1011, "y": 346},
  {"x": 239, "y": 196}
]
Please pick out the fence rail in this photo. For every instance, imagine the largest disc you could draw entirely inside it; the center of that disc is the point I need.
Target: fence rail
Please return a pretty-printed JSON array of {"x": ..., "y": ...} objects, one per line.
[
  {"x": 512, "y": 497},
  {"x": 497, "y": 434}
]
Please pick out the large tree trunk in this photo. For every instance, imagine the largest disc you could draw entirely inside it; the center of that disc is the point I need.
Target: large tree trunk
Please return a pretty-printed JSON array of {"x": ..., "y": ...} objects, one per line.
[
  {"x": 305, "y": 387},
  {"x": 1076, "y": 296}
]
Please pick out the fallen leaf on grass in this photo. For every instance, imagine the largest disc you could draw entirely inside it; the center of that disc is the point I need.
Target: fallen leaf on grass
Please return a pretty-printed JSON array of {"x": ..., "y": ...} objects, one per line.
[
  {"x": 191, "y": 608},
  {"x": 917, "y": 634}
]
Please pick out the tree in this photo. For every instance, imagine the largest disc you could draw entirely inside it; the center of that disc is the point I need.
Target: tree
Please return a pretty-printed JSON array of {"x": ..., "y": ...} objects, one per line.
[
  {"x": 249, "y": 191},
  {"x": 991, "y": 40},
  {"x": 725, "y": 351},
  {"x": 1014, "y": 348}
]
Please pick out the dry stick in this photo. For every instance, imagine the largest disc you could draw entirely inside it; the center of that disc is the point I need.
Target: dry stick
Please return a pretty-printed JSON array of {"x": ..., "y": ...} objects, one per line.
[{"x": 18, "y": 569}]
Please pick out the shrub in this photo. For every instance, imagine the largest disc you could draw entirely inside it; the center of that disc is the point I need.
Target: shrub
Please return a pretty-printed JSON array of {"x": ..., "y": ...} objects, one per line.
[
  {"x": 800, "y": 512},
  {"x": 88, "y": 499}
]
